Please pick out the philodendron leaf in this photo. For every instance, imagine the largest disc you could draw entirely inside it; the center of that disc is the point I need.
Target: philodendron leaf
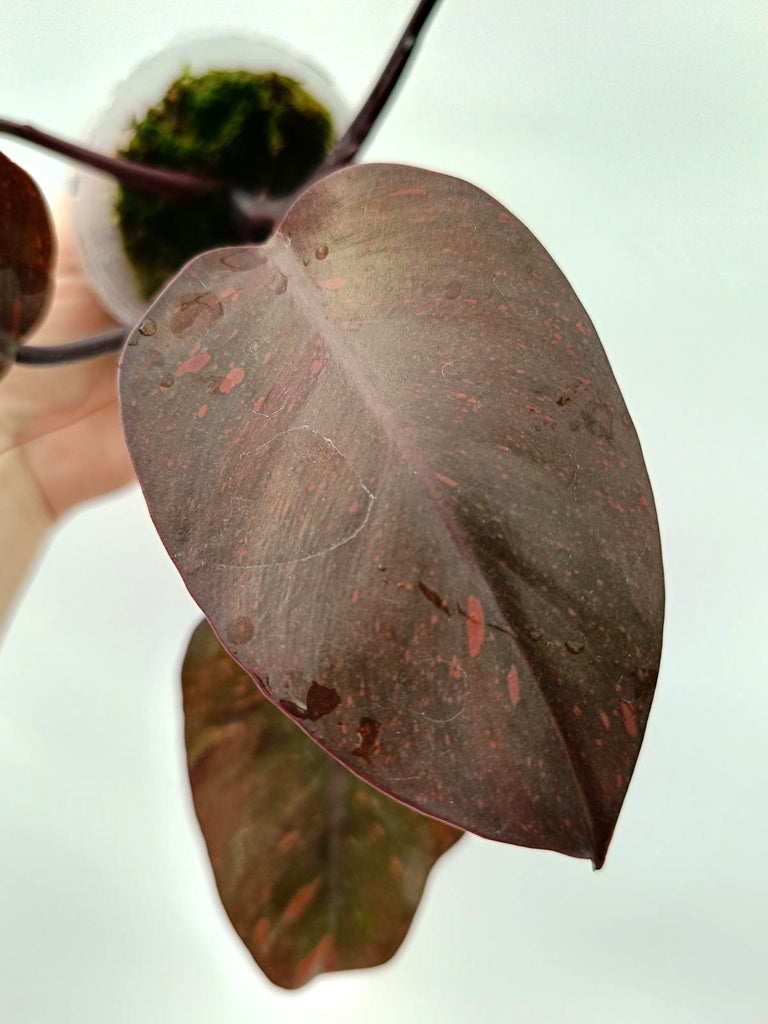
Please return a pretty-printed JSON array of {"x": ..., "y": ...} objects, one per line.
[
  {"x": 317, "y": 871},
  {"x": 26, "y": 246},
  {"x": 388, "y": 456}
]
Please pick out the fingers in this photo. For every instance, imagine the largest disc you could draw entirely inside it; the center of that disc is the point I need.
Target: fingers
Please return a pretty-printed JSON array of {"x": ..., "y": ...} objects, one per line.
[{"x": 82, "y": 459}]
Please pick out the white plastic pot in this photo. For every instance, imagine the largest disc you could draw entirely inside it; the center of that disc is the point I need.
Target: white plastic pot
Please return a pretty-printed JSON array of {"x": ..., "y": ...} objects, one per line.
[{"x": 97, "y": 231}]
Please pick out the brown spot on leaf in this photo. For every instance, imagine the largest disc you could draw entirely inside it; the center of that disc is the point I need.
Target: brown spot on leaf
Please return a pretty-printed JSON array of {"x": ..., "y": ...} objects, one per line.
[
  {"x": 194, "y": 313},
  {"x": 240, "y": 630},
  {"x": 598, "y": 418},
  {"x": 321, "y": 701}
]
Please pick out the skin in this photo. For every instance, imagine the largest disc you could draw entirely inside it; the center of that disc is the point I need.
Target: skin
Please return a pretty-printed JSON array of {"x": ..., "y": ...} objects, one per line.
[{"x": 61, "y": 441}]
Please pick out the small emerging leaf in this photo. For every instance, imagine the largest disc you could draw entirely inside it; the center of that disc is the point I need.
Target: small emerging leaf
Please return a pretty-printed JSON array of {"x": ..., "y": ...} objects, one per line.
[
  {"x": 317, "y": 871},
  {"x": 26, "y": 245},
  {"x": 388, "y": 455}
]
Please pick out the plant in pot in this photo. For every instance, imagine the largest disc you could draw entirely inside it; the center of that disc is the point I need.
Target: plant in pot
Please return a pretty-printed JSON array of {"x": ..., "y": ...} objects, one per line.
[{"x": 383, "y": 446}]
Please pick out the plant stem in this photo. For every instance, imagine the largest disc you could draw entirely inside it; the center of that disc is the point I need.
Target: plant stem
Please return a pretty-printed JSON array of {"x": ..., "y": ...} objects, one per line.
[
  {"x": 346, "y": 149},
  {"x": 168, "y": 184},
  {"x": 87, "y": 348},
  {"x": 257, "y": 219}
]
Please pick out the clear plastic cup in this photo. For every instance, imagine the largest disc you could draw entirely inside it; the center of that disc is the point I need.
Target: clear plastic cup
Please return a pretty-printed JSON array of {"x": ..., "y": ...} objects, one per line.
[{"x": 96, "y": 227}]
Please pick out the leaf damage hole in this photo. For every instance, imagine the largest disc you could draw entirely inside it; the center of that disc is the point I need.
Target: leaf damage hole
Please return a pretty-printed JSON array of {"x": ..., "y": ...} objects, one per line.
[
  {"x": 598, "y": 419},
  {"x": 434, "y": 597},
  {"x": 368, "y": 731},
  {"x": 321, "y": 701},
  {"x": 535, "y": 635}
]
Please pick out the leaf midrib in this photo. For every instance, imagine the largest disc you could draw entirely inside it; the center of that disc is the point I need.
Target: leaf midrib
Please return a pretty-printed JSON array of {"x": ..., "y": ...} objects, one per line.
[{"x": 304, "y": 293}]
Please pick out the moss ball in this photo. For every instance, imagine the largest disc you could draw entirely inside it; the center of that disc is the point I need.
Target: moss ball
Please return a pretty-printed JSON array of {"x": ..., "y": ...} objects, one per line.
[{"x": 261, "y": 132}]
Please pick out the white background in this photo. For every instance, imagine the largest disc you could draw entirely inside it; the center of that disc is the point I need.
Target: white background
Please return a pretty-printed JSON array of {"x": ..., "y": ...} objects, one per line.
[{"x": 631, "y": 138}]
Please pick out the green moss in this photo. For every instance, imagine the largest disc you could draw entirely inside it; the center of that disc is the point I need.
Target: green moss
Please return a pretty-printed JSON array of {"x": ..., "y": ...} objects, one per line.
[{"x": 263, "y": 132}]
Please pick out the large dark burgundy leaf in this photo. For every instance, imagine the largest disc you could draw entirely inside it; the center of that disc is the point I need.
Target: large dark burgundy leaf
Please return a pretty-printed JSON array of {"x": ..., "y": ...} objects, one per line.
[
  {"x": 316, "y": 870},
  {"x": 26, "y": 245},
  {"x": 388, "y": 455}
]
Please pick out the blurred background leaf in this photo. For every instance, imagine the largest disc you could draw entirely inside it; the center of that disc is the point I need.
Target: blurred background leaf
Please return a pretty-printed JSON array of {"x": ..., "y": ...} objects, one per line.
[{"x": 317, "y": 870}]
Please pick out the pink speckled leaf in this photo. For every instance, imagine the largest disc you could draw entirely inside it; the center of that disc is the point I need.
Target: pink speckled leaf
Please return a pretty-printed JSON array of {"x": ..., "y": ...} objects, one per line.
[
  {"x": 26, "y": 246},
  {"x": 388, "y": 456},
  {"x": 317, "y": 871}
]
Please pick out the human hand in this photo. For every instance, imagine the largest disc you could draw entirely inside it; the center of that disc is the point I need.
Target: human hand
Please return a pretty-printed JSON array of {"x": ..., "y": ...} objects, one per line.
[{"x": 61, "y": 440}]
